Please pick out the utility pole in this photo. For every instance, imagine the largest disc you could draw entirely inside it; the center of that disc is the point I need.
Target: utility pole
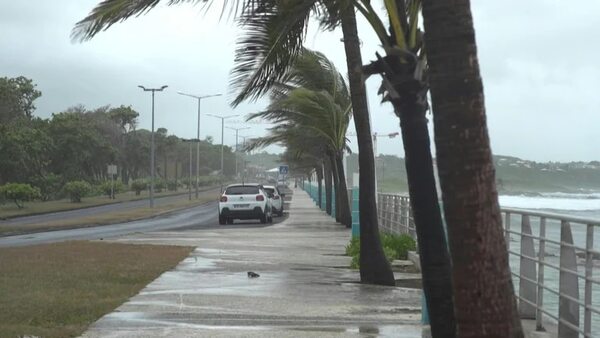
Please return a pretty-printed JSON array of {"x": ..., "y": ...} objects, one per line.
[
  {"x": 223, "y": 118},
  {"x": 153, "y": 90},
  {"x": 199, "y": 98},
  {"x": 236, "y": 146}
]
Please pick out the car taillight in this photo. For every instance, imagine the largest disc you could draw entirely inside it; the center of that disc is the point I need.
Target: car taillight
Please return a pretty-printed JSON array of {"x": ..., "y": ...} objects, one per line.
[
  {"x": 275, "y": 197},
  {"x": 260, "y": 197},
  {"x": 223, "y": 199}
]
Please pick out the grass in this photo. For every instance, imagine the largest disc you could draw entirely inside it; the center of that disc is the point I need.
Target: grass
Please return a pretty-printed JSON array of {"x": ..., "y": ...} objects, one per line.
[
  {"x": 10, "y": 210},
  {"x": 106, "y": 217},
  {"x": 58, "y": 290}
]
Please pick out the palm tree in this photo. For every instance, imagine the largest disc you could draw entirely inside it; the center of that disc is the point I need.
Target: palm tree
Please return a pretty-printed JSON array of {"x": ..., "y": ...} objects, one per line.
[
  {"x": 484, "y": 298},
  {"x": 405, "y": 86},
  {"x": 275, "y": 33},
  {"x": 314, "y": 99}
]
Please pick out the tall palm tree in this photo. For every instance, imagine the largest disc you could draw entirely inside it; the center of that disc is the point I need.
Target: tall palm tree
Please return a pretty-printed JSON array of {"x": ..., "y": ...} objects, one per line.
[
  {"x": 405, "y": 86},
  {"x": 484, "y": 297},
  {"x": 276, "y": 30},
  {"x": 314, "y": 98}
]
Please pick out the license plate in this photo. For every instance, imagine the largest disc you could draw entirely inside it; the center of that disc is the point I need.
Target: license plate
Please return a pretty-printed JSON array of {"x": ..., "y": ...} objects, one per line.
[{"x": 241, "y": 205}]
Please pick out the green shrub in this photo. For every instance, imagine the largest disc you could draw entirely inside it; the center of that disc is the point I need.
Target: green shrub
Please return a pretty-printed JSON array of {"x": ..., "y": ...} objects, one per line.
[
  {"x": 19, "y": 193},
  {"x": 402, "y": 244},
  {"x": 172, "y": 185},
  {"x": 49, "y": 185},
  {"x": 77, "y": 190},
  {"x": 159, "y": 185},
  {"x": 353, "y": 247},
  {"x": 394, "y": 247},
  {"x": 107, "y": 186},
  {"x": 138, "y": 186},
  {"x": 355, "y": 263}
]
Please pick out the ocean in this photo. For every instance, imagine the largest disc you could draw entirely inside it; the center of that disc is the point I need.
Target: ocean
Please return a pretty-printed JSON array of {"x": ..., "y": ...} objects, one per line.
[{"x": 585, "y": 205}]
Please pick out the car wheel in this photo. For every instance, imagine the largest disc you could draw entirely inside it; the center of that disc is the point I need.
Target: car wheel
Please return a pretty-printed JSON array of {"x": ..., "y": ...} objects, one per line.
[
  {"x": 280, "y": 213},
  {"x": 221, "y": 220},
  {"x": 263, "y": 218},
  {"x": 230, "y": 221}
]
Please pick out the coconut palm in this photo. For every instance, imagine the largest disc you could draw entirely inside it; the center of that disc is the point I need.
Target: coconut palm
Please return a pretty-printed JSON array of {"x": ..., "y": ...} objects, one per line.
[
  {"x": 484, "y": 296},
  {"x": 404, "y": 72},
  {"x": 315, "y": 100}
]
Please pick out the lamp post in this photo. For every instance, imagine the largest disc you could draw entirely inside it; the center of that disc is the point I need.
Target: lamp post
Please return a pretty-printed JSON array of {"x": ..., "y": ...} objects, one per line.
[
  {"x": 153, "y": 90},
  {"x": 190, "y": 174},
  {"x": 236, "y": 146},
  {"x": 199, "y": 98},
  {"x": 222, "y": 145}
]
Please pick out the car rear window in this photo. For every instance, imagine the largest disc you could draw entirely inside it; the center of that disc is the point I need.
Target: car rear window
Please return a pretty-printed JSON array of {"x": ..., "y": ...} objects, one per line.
[
  {"x": 242, "y": 190},
  {"x": 269, "y": 190}
]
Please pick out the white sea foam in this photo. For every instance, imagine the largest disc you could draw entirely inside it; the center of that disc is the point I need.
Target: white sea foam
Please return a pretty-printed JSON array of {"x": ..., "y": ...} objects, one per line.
[{"x": 557, "y": 201}]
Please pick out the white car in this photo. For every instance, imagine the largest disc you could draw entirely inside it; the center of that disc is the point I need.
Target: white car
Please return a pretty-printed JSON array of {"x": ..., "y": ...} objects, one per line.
[
  {"x": 276, "y": 199},
  {"x": 244, "y": 201}
]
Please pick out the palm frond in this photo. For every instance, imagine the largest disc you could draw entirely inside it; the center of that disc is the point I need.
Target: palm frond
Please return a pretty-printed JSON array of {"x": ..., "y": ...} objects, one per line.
[{"x": 273, "y": 39}]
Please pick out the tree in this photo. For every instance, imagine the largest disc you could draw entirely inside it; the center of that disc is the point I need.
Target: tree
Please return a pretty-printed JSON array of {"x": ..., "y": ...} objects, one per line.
[
  {"x": 77, "y": 190},
  {"x": 405, "y": 86},
  {"x": 16, "y": 98},
  {"x": 484, "y": 298},
  {"x": 19, "y": 193},
  {"x": 313, "y": 97}
]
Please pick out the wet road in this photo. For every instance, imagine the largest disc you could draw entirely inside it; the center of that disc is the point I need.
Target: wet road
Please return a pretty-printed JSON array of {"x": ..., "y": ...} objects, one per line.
[
  {"x": 79, "y": 213},
  {"x": 200, "y": 217}
]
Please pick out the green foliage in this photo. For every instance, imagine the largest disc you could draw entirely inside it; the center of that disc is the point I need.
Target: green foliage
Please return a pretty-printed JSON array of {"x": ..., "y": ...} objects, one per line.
[
  {"x": 106, "y": 186},
  {"x": 172, "y": 185},
  {"x": 77, "y": 190},
  {"x": 49, "y": 185},
  {"x": 400, "y": 244},
  {"x": 394, "y": 247},
  {"x": 19, "y": 193},
  {"x": 353, "y": 248},
  {"x": 159, "y": 185},
  {"x": 139, "y": 185},
  {"x": 16, "y": 98}
]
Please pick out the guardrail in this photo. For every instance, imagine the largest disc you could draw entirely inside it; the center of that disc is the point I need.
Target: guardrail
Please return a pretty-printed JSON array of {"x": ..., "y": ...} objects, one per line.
[{"x": 552, "y": 257}]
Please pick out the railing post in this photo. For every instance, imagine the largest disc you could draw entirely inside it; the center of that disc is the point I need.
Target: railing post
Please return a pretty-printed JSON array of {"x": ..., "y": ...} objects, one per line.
[
  {"x": 396, "y": 212},
  {"x": 589, "y": 266},
  {"x": 568, "y": 310},
  {"x": 507, "y": 230},
  {"x": 355, "y": 212},
  {"x": 539, "y": 326},
  {"x": 527, "y": 289}
]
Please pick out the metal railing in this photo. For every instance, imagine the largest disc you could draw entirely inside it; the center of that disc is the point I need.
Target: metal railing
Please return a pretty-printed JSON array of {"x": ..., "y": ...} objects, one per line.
[{"x": 552, "y": 257}]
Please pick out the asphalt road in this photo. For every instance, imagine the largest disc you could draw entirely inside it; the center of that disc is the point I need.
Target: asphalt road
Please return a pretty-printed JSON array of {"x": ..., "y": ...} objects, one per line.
[{"x": 200, "y": 217}]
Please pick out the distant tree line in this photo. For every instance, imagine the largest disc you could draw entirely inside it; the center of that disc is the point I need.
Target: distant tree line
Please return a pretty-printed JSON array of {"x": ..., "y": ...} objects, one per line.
[{"x": 78, "y": 144}]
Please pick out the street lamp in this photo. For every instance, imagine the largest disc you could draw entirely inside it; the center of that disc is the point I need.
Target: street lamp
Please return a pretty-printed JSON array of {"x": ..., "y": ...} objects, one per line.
[
  {"x": 153, "y": 90},
  {"x": 222, "y": 145},
  {"x": 236, "y": 146},
  {"x": 190, "y": 141},
  {"x": 199, "y": 98}
]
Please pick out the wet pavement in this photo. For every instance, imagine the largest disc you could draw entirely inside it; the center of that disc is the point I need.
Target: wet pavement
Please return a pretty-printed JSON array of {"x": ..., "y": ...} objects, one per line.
[{"x": 304, "y": 290}]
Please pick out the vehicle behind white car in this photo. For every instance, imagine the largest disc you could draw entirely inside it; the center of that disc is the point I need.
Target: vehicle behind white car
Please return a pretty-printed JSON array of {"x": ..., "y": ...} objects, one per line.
[
  {"x": 276, "y": 199},
  {"x": 244, "y": 201}
]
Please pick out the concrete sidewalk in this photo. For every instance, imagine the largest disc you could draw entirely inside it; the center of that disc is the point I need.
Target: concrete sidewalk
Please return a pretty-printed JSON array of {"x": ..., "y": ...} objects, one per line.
[{"x": 304, "y": 290}]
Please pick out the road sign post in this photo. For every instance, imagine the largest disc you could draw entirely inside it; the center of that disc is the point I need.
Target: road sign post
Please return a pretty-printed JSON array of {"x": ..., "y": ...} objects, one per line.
[{"x": 112, "y": 171}]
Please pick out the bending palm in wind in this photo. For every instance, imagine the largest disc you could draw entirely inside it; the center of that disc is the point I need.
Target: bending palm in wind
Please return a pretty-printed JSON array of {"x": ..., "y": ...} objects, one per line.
[{"x": 314, "y": 103}]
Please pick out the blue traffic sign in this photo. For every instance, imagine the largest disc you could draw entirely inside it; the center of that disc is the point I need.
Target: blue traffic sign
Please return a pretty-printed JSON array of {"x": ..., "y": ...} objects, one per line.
[{"x": 283, "y": 169}]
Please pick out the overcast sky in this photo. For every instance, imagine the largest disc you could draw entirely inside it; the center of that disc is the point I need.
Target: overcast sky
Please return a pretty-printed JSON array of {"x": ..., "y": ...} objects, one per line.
[{"x": 539, "y": 61}]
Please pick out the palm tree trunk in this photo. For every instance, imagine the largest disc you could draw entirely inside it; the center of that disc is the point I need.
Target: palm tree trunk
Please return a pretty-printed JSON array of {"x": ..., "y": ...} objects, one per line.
[
  {"x": 374, "y": 267},
  {"x": 484, "y": 298},
  {"x": 435, "y": 259},
  {"x": 343, "y": 202},
  {"x": 328, "y": 193},
  {"x": 336, "y": 187},
  {"x": 320, "y": 186}
]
